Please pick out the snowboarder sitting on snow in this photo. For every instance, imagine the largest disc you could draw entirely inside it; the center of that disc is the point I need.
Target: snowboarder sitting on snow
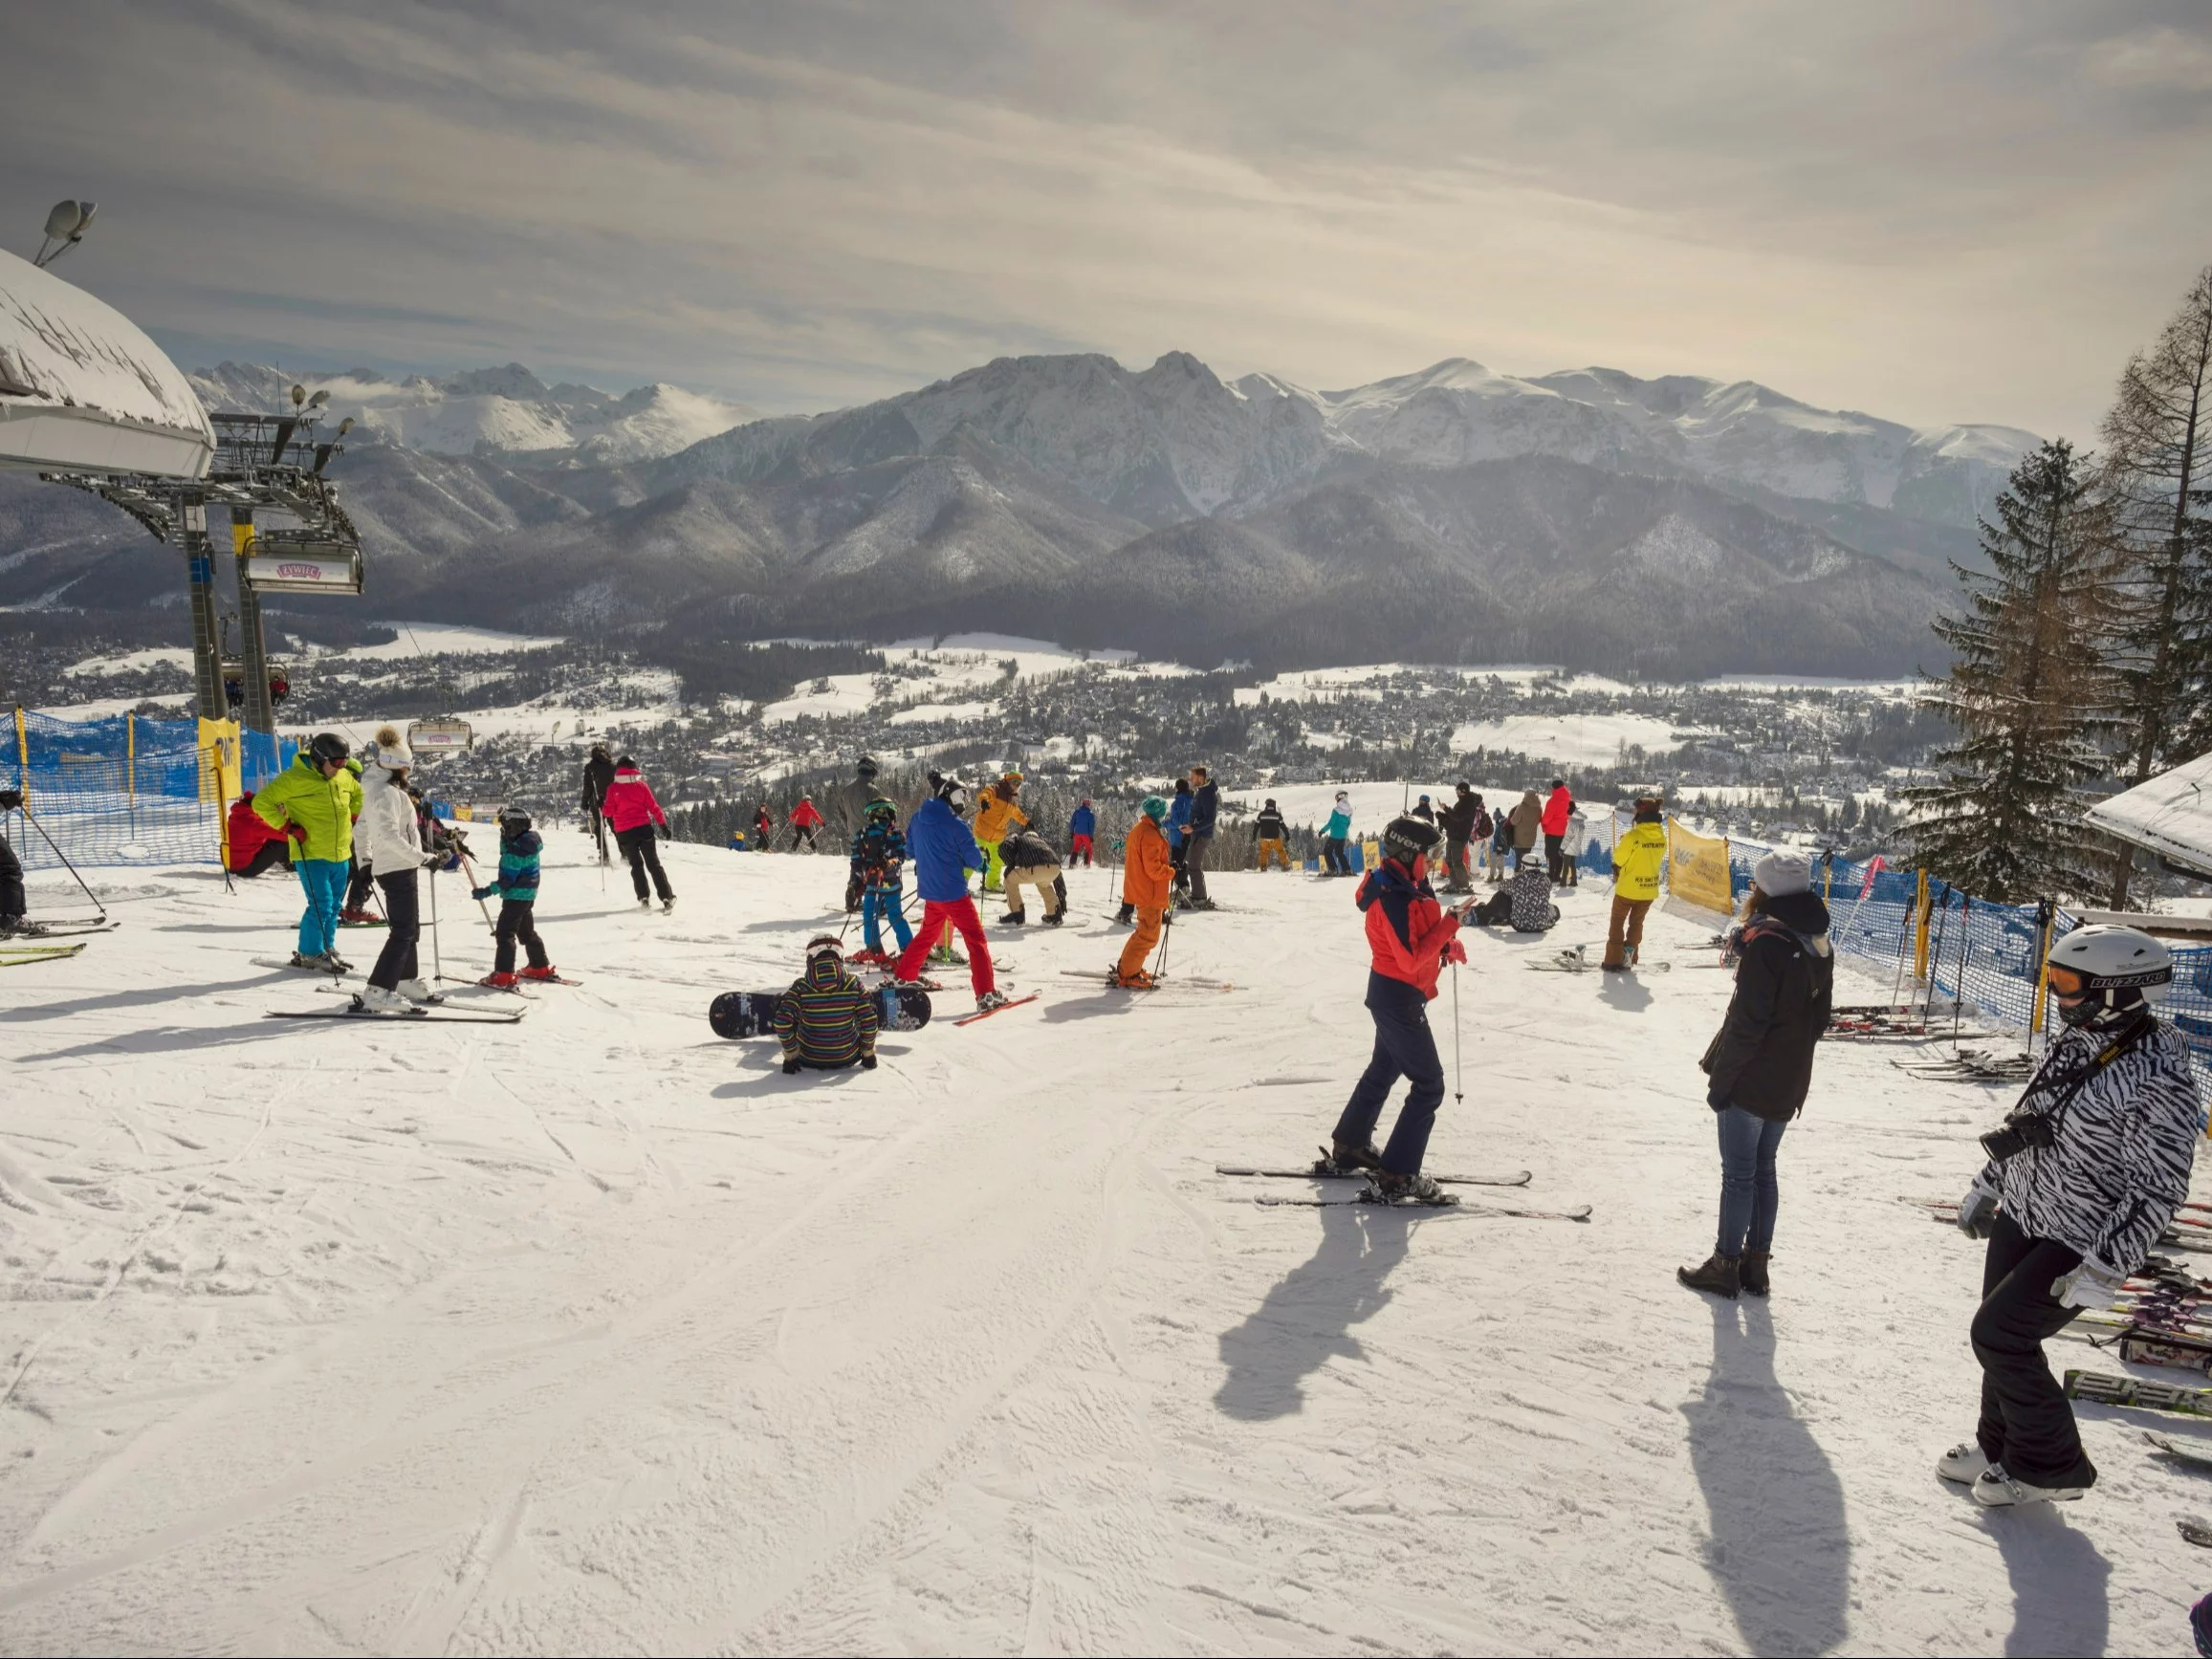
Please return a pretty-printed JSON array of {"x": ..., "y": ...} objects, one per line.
[
  {"x": 879, "y": 861},
  {"x": 827, "y": 1019},
  {"x": 1272, "y": 835},
  {"x": 1759, "y": 1065},
  {"x": 2083, "y": 1176},
  {"x": 1410, "y": 938},
  {"x": 1027, "y": 859},
  {"x": 516, "y": 891},
  {"x": 1526, "y": 903},
  {"x": 1081, "y": 827},
  {"x": 254, "y": 847},
  {"x": 943, "y": 851},
  {"x": 13, "y": 905}
]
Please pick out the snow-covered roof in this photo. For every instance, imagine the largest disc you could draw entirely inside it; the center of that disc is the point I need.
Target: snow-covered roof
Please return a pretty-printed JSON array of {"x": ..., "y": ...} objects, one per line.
[
  {"x": 2171, "y": 815},
  {"x": 82, "y": 387}
]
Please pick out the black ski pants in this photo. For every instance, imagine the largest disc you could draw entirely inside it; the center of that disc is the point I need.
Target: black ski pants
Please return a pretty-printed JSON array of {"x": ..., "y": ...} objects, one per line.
[
  {"x": 357, "y": 884},
  {"x": 1404, "y": 1048},
  {"x": 404, "y": 926},
  {"x": 13, "y": 906},
  {"x": 1333, "y": 859},
  {"x": 518, "y": 924},
  {"x": 641, "y": 848},
  {"x": 2027, "y": 1424},
  {"x": 272, "y": 854},
  {"x": 1554, "y": 866}
]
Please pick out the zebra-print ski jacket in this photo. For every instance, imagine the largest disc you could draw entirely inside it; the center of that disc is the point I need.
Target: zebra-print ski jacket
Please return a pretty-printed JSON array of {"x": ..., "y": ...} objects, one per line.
[{"x": 2119, "y": 1167}]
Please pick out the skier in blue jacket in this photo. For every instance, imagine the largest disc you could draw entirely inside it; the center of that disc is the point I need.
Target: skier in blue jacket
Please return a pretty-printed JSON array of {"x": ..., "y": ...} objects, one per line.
[
  {"x": 1082, "y": 826},
  {"x": 943, "y": 850},
  {"x": 1179, "y": 837}
]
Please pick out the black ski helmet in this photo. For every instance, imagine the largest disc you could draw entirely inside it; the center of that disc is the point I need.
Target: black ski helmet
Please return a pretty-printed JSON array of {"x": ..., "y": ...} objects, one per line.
[
  {"x": 330, "y": 748},
  {"x": 864, "y": 768},
  {"x": 954, "y": 795},
  {"x": 1407, "y": 838},
  {"x": 513, "y": 820}
]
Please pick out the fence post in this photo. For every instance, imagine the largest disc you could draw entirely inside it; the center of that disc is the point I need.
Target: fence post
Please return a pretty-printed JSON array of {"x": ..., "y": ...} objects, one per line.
[
  {"x": 22, "y": 754},
  {"x": 1921, "y": 930},
  {"x": 131, "y": 769},
  {"x": 2036, "y": 1009},
  {"x": 223, "y": 809}
]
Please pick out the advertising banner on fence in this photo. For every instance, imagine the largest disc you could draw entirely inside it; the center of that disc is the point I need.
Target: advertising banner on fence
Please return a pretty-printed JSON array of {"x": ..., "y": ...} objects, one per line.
[{"x": 1697, "y": 871}]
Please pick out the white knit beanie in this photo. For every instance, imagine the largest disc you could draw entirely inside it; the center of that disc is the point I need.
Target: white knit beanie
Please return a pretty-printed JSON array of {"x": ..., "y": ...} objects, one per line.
[{"x": 1782, "y": 873}]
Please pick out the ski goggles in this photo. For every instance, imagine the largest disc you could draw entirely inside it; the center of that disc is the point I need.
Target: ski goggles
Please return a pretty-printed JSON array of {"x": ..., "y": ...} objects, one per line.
[{"x": 2067, "y": 983}]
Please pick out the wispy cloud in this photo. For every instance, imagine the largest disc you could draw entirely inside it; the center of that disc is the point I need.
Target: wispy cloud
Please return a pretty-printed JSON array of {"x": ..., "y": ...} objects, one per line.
[{"x": 1966, "y": 212}]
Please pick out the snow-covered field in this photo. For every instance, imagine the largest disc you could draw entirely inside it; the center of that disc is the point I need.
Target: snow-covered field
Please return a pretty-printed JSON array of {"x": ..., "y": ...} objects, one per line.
[
  {"x": 1577, "y": 739},
  {"x": 599, "y": 1333}
]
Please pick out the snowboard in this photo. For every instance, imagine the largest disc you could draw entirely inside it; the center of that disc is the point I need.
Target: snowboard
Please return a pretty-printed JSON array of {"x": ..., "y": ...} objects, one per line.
[{"x": 744, "y": 1014}]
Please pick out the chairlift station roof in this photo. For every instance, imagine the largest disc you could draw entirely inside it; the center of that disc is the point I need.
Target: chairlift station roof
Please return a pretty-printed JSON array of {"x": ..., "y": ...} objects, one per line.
[
  {"x": 82, "y": 389},
  {"x": 2169, "y": 815}
]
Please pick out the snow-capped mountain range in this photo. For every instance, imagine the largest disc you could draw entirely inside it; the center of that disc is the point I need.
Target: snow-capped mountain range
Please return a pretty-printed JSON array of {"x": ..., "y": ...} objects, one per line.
[
  {"x": 501, "y": 412},
  {"x": 1674, "y": 527}
]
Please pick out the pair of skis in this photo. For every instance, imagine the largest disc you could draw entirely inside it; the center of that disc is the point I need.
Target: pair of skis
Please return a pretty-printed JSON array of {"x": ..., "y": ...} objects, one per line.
[
  {"x": 436, "y": 1013},
  {"x": 29, "y": 955},
  {"x": 61, "y": 928},
  {"x": 1112, "y": 978},
  {"x": 1575, "y": 959},
  {"x": 1326, "y": 1168}
]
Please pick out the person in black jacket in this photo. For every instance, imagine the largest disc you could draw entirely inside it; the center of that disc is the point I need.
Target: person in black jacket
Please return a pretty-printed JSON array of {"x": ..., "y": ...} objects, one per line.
[
  {"x": 598, "y": 775},
  {"x": 1459, "y": 819},
  {"x": 1205, "y": 813},
  {"x": 1759, "y": 1065},
  {"x": 13, "y": 906},
  {"x": 1271, "y": 835}
]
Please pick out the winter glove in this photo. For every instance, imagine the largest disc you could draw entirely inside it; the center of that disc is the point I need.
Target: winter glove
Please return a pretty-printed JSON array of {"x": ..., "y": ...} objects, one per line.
[
  {"x": 1978, "y": 1211},
  {"x": 2087, "y": 1286},
  {"x": 792, "y": 1067},
  {"x": 1455, "y": 952},
  {"x": 481, "y": 892},
  {"x": 295, "y": 832},
  {"x": 1717, "y": 1097},
  {"x": 867, "y": 1063}
]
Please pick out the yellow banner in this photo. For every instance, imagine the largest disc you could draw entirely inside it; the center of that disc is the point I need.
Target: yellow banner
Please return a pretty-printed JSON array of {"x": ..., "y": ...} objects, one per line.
[
  {"x": 219, "y": 761},
  {"x": 1697, "y": 871}
]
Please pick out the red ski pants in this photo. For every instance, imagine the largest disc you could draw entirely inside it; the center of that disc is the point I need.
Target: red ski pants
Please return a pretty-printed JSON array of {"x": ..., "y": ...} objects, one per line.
[{"x": 960, "y": 913}]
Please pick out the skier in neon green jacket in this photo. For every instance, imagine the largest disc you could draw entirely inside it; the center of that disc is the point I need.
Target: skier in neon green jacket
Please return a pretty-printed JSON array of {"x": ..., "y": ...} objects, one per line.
[{"x": 313, "y": 802}]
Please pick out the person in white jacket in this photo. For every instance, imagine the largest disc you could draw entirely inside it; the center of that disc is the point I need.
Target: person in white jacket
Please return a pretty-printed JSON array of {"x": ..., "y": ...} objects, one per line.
[{"x": 392, "y": 846}]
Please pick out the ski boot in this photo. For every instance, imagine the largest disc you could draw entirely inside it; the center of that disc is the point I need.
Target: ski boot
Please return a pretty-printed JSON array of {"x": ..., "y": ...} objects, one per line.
[
  {"x": 1392, "y": 1189},
  {"x": 645, "y": 903},
  {"x": 376, "y": 999},
  {"x": 1342, "y": 1155},
  {"x": 1125, "y": 917},
  {"x": 498, "y": 981},
  {"x": 1998, "y": 1490},
  {"x": 1721, "y": 1274},
  {"x": 667, "y": 903},
  {"x": 1056, "y": 918},
  {"x": 1140, "y": 981},
  {"x": 1753, "y": 1274},
  {"x": 313, "y": 963},
  {"x": 548, "y": 972},
  {"x": 1200, "y": 905},
  {"x": 419, "y": 991},
  {"x": 1011, "y": 918},
  {"x": 1963, "y": 1464},
  {"x": 988, "y": 1000},
  {"x": 358, "y": 918}
]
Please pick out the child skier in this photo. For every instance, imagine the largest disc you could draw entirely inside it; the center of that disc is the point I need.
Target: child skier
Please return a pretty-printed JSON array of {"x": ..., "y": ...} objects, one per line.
[
  {"x": 1082, "y": 826},
  {"x": 516, "y": 891},
  {"x": 879, "y": 860},
  {"x": 1410, "y": 938},
  {"x": 827, "y": 1019},
  {"x": 943, "y": 851}
]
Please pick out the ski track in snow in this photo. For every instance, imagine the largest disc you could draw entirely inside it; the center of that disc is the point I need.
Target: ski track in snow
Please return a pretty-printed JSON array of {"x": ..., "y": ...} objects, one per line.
[{"x": 599, "y": 1333}]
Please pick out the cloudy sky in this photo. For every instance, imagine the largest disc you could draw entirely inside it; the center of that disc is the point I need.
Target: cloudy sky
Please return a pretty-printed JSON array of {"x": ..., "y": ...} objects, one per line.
[{"x": 1965, "y": 210}]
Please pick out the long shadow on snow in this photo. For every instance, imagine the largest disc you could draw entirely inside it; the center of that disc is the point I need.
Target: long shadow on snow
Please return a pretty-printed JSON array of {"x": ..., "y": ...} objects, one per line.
[
  {"x": 2061, "y": 1582},
  {"x": 1780, "y": 1547},
  {"x": 171, "y": 1039},
  {"x": 1308, "y": 1317},
  {"x": 36, "y": 1013}
]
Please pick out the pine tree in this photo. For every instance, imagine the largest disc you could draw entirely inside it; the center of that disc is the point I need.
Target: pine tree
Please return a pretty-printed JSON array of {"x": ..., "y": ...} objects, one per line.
[
  {"x": 2157, "y": 465},
  {"x": 2028, "y": 691}
]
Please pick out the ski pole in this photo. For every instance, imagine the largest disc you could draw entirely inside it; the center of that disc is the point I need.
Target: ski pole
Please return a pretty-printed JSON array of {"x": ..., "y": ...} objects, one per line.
[
  {"x": 1459, "y": 1072},
  {"x": 25, "y": 810},
  {"x": 474, "y": 883},
  {"x": 1166, "y": 927},
  {"x": 437, "y": 962}
]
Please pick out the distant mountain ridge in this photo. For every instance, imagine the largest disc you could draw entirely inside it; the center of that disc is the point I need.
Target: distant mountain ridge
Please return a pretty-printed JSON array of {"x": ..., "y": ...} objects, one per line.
[{"x": 1674, "y": 527}]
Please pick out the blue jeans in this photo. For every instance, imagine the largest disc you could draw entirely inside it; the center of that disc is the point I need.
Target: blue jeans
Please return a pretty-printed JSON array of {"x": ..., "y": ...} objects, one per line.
[
  {"x": 323, "y": 881},
  {"x": 1749, "y": 1190},
  {"x": 1404, "y": 1048},
  {"x": 884, "y": 902}
]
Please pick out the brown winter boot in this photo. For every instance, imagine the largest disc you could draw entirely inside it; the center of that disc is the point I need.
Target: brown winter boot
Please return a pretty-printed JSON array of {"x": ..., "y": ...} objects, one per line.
[
  {"x": 1754, "y": 1272},
  {"x": 1721, "y": 1274}
]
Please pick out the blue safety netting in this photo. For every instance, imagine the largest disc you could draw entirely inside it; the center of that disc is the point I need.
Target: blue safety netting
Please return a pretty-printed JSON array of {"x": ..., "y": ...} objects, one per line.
[{"x": 125, "y": 790}]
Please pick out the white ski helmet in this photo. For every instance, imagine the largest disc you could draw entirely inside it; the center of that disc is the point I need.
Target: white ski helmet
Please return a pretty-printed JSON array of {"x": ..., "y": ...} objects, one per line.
[{"x": 2120, "y": 967}]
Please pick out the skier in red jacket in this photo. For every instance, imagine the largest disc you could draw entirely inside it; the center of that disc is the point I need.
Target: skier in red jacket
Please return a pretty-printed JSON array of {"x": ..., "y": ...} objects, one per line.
[
  {"x": 636, "y": 818},
  {"x": 1556, "y": 812},
  {"x": 805, "y": 820},
  {"x": 254, "y": 846},
  {"x": 1410, "y": 937}
]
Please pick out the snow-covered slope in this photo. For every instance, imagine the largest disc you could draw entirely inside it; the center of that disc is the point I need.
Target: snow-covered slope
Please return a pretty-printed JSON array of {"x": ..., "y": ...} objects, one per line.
[
  {"x": 499, "y": 410},
  {"x": 599, "y": 1333}
]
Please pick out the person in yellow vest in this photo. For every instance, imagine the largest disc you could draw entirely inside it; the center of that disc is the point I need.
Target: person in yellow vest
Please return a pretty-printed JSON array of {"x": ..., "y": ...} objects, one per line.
[
  {"x": 994, "y": 819},
  {"x": 1638, "y": 857}
]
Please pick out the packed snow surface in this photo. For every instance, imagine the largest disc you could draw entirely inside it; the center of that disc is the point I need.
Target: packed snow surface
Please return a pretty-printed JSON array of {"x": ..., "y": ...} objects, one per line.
[
  {"x": 601, "y": 1334},
  {"x": 1584, "y": 739}
]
